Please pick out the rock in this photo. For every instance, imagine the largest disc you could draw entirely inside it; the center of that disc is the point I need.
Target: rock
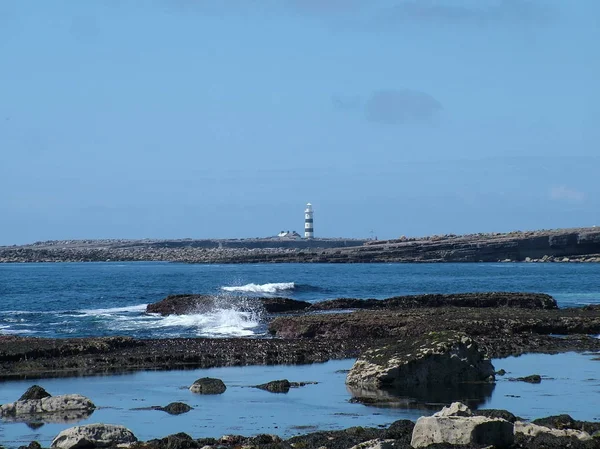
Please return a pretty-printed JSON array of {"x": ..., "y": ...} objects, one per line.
[
  {"x": 276, "y": 386},
  {"x": 534, "y": 430},
  {"x": 93, "y": 435},
  {"x": 375, "y": 444},
  {"x": 47, "y": 405},
  {"x": 476, "y": 300},
  {"x": 208, "y": 385},
  {"x": 191, "y": 304},
  {"x": 567, "y": 422},
  {"x": 493, "y": 413},
  {"x": 446, "y": 427},
  {"x": 400, "y": 430},
  {"x": 35, "y": 392},
  {"x": 436, "y": 358},
  {"x": 532, "y": 379},
  {"x": 32, "y": 445},
  {"x": 500, "y": 372},
  {"x": 336, "y": 439},
  {"x": 175, "y": 408}
]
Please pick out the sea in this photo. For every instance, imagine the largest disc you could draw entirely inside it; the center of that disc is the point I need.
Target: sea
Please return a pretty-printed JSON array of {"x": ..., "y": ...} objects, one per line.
[{"x": 63, "y": 300}]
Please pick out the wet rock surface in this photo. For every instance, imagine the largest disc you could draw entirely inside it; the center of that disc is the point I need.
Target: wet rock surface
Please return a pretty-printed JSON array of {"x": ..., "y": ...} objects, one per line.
[
  {"x": 22, "y": 356},
  {"x": 195, "y": 304},
  {"x": 491, "y": 299},
  {"x": 175, "y": 408},
  {"x": 276, "y": 386},
  {"x": 435, "y": 358},
  {"x": 34, "y": 392},
  {"x": 208, "y": 385},
  {"x": 499, "y": 331}
]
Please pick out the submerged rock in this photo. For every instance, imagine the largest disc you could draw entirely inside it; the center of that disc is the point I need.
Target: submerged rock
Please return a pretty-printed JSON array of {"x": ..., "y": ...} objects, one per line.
[
  {"x": 208, "y": 385},
  {"x": 532, "y": 379},
  {"x": 34, "y": 392},
  {"x": 175, "y": 408},
  {"x": 93, "y": 436},
  {"x": 436, "y": 358},
  {"x": 276, "y": 386},
  {"x": 456, "y": 425}
]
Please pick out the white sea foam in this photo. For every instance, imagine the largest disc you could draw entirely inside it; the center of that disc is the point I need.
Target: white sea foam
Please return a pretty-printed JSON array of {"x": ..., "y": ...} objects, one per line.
[
  {"x": 130, "y": 309},
  {"x": 217, "y": 323},
  {"x": 270, "y": 288}
]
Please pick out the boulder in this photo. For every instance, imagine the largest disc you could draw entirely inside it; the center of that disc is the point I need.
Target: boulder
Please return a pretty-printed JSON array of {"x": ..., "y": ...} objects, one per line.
[
  {"x": 93, "y": 436},
  {"x": 175, "y": 408},
  {"x": 276, "y": 386},
  {"x": 193, "y": 304},
  {"x": 208, "y": 385},
  {"x": 456, "y": 425},
  {"x": 34, "y": 392},
  {"x": 447, "y": 357},
  {"x": 52, "y": 404},
  {"x": 533, "y": 430}
]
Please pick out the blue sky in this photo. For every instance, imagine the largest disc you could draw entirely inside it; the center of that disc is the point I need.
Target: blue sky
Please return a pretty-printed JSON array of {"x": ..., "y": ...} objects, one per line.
[{"x": 204, "y": 118}]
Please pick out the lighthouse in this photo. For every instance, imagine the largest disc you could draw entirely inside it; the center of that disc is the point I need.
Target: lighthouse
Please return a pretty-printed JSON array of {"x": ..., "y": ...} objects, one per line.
[{"x": 309, "y": 232}]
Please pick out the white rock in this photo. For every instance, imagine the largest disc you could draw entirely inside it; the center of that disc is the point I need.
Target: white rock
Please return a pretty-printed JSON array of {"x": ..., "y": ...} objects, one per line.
[
  {"x": 52, "y": 404},
  {"x": 455, "y": 409},
  {"x": 456, "y": 425},
  {"x": 375, "y": 444},
  {"x": 98, "y": 435},
  {"x": 534, "y": 430}
]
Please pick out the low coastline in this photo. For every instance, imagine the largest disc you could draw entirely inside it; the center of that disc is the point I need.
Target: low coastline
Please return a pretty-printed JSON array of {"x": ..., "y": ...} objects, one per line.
[{"x": 559, "y": 245}]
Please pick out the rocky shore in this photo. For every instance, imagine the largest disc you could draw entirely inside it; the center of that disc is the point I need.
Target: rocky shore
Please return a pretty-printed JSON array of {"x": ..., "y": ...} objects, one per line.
[
  {"x": 409, "y": 344},
  {"x": 561, "y": 245},
  {"x": 501, "y": 323}
]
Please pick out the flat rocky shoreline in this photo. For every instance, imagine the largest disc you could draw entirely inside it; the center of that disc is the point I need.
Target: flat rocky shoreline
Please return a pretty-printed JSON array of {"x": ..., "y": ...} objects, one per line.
[
  {"x": 559, "y": 245},
  {"x": 503, "y": 324}
]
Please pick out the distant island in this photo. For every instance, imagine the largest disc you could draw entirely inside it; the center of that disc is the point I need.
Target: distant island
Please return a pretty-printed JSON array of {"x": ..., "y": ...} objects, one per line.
[{"x": 557, "y": 245}]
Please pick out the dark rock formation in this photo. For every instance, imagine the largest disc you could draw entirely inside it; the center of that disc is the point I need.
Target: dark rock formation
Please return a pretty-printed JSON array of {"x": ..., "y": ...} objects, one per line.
[
  {"x": 276, "y": 386},
  {"x": 175, "y": 408},
  {"x": 191, "y": 304},
  {"x": 437, "y": 358},
  {"x": 567, "y": 422},
  {"x": 500, "y": 331},
  {"x": 494, "y": 413},
  {"x": 532, "y": 379},
  {"x": 34, "y": 392},
  {"x": 208, "y": 385},
  {"x": 492, "y": 299},
  {"x": 40, "y": 357}
]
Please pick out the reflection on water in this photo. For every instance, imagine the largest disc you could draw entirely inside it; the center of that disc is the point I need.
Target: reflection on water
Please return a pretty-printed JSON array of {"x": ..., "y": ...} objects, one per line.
[
  {"x": 35, "y": 421},
  {"x": 425, "y": 396}
]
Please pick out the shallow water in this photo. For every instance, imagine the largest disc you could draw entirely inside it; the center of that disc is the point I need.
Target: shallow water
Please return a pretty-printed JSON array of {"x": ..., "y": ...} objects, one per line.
[
  {"x": 571, "y": 384},
  {"x": 95, "y": 299}
]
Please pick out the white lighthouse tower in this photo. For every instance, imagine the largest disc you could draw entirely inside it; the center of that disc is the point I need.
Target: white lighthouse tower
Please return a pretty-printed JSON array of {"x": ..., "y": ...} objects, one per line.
[{"x": 309, "y": 232}]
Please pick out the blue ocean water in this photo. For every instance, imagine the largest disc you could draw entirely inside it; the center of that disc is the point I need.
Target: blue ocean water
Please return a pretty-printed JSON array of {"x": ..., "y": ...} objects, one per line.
[{"x": 95, "y": 299}]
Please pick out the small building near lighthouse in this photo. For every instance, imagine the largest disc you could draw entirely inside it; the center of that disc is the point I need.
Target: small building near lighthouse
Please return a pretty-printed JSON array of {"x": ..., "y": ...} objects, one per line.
[{"x": 309, "y": 231}]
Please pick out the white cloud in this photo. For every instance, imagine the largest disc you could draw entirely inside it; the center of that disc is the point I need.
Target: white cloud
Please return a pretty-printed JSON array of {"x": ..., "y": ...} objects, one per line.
[{"x": 564, "y": 193}]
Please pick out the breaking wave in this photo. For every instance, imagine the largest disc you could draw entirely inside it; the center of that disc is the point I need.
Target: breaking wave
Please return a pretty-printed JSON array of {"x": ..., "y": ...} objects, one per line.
[{"x": 269, "y": 289}]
